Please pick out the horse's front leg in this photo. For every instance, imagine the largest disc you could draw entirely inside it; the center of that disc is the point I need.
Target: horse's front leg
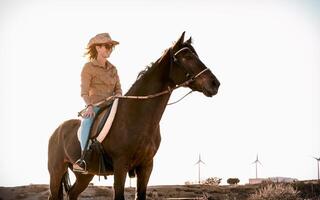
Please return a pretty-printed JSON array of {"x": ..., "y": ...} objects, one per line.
[
  {"x": 143, "y": 174},
  {"x": 120, "y": 173}
]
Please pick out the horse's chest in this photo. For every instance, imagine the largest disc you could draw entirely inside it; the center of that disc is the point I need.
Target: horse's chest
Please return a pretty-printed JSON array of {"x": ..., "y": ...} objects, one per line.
[{"x": 144, "y": 153}]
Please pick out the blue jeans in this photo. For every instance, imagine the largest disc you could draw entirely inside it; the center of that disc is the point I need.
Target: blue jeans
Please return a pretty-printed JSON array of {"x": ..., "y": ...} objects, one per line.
[{"x": 85, "y": 128}]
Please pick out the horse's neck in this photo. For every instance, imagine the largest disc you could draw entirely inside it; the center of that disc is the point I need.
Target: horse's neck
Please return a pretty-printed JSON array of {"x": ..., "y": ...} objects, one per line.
[{"x": 153, "y": 82}]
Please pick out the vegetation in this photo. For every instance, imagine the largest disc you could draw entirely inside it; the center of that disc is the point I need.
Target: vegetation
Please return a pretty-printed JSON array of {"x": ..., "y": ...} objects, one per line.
[
  {"x": 233, "y": 181},
  {"x": 212, "y": 181},
  {"x": 275, "y": 192},
  {"x": 308, "y": 189}
]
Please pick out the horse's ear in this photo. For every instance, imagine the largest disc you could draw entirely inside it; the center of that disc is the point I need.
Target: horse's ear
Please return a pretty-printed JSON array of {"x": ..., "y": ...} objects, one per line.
[
  {"x": 179, "y": 41},
  {"x": 189, "y": 41}
]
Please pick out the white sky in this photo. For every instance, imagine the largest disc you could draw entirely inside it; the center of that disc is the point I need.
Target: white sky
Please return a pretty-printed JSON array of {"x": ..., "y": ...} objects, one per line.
[{"x": 266, "y": 55}]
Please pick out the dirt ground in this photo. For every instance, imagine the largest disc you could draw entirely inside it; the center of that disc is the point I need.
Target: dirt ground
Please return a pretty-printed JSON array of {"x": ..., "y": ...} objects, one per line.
[{"x": 310, "y": 191}]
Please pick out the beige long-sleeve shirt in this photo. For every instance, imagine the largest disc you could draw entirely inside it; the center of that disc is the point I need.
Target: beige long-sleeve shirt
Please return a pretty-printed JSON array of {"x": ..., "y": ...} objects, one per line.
[{"x": 99, "y": 82}]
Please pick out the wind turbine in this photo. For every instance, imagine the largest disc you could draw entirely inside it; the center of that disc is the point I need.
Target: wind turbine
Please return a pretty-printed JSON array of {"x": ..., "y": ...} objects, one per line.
[
  {"x": 256, "y": 162},
  {"x": 318, "y": 160},
  {"x": 199, "y": 163}
]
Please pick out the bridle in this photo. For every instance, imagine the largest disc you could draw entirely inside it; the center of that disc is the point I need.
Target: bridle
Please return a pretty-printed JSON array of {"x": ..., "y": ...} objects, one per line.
[
  {"x": 188, "y": 81},
  {"x": 168, "y": 91}
]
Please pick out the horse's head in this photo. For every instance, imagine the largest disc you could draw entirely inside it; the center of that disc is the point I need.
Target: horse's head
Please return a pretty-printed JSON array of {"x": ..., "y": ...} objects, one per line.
[{"x": 187, "y": 68}]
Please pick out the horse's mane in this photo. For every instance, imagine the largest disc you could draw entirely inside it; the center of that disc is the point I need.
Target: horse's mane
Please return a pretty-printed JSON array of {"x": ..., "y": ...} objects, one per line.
[
  {"x": 151, "y": 65},
  {"x": 142, "y": 72},
  {"x": 148, "y": 69}
]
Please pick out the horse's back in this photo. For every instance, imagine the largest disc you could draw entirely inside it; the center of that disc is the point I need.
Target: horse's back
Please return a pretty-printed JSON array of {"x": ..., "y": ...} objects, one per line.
[{"x": 64, "y": 130}]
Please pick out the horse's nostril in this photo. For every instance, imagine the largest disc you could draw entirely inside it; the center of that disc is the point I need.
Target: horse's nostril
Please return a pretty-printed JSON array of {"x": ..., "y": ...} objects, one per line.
[{"x": 216, "y": 83}]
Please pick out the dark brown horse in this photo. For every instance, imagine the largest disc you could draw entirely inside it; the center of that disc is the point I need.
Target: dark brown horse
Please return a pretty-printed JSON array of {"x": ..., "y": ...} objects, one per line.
[{"x": 134, "y": 137}]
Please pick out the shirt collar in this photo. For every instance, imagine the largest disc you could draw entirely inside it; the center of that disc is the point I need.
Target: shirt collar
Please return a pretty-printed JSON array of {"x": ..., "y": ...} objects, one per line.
[{"x": 106, "y": 65}]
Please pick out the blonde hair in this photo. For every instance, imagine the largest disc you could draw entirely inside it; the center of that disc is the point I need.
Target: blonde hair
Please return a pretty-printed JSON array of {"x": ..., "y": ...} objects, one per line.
[{"x": 91, "y": 52}]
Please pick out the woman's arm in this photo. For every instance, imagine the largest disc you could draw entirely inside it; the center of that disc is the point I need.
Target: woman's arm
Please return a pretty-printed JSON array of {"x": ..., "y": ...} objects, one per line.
[
  {"x": 117, "y": 88},
  {"x": 86, "y": 79}
]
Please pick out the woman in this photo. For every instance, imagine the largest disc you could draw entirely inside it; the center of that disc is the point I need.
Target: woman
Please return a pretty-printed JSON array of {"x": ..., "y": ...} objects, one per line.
[{"x": 99, "y": 80}]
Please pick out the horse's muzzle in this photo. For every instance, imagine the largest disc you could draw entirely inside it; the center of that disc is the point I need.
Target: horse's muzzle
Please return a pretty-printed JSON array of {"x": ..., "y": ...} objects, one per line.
[{"x": 211, "y": 89}]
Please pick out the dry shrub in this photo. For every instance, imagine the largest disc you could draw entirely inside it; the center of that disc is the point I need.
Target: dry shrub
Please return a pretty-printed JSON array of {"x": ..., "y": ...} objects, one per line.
[
  {"x": 233, "y": 181},
  {"x": 212, "y": 181},
  {"x": 276, "y": 192}
]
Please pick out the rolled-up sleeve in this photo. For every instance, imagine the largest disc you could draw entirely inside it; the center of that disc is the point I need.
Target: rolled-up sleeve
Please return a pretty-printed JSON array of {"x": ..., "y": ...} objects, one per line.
[
  {"x": 86, "y": 79},
  {"x": 117, "y": 88}
]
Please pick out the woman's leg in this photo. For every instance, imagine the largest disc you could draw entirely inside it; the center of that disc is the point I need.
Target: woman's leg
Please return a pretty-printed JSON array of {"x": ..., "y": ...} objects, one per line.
[
  {"x": 86, "y": 124},
  {"x": 85, "y": 129}
]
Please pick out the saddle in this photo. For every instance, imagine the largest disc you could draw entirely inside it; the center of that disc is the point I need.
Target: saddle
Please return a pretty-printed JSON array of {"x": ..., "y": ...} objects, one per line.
[{"x": 100, "y": 119}]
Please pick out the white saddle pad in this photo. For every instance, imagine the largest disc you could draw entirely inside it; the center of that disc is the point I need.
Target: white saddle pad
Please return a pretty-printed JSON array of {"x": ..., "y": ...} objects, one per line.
[{"x": 105, "y": 130}]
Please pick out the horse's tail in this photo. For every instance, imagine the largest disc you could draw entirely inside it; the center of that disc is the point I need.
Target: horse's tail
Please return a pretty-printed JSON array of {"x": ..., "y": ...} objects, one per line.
[{"x": 65, "y": 182}]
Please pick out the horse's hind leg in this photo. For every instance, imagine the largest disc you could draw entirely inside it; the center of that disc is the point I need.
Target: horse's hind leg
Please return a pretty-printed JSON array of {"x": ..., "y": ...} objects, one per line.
[
  {"x": 81, "y": 183},
  {"x": 56, "y": 189}
]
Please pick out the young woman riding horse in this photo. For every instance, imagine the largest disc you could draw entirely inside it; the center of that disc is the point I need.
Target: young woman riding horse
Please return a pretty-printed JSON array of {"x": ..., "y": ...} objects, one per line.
[
  {"x": 134, "y": 137},
  {"x": 99, "y": 80}
]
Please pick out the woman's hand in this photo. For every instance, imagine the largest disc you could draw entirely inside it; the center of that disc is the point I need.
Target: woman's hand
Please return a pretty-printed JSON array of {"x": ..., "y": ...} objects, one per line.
[{"x": 89, "y": 112}]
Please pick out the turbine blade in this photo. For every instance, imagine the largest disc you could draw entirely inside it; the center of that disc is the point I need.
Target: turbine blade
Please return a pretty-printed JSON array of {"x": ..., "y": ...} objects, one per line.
[
  {"x": 257, "y": 160},
  {"x": 199, "y": 161}
]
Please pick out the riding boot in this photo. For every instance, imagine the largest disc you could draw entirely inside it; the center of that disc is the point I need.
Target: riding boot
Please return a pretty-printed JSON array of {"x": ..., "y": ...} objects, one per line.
[{"x": 80, "y": 165}]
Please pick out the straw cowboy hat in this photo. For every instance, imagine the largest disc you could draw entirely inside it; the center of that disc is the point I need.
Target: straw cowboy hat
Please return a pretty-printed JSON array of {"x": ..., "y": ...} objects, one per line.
[{"x": 102, "y": 38}]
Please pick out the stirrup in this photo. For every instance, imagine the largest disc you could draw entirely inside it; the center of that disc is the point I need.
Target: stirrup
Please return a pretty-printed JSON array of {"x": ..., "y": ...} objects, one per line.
[{"x": 80, "y": 169}]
